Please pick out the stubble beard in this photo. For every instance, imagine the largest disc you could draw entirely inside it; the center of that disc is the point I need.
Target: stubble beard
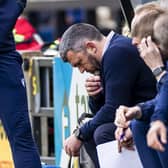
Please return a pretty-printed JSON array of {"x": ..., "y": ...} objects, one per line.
[{"x": 95, "y": 64}]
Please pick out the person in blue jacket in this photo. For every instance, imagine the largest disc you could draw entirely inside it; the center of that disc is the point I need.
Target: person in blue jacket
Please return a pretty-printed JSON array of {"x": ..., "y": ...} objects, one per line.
[
  {"x": 13, "y": 99},
  {"x": 155, "y": 56},
  {"x": 150, "y": 127},
  {"x": 124, "y": 78}
]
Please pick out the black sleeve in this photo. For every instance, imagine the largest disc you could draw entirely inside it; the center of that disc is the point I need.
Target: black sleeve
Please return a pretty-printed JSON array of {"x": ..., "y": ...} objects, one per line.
[
  {"x": 119, "y": 78},
  {"x": 22, "y": 3},
  {"x": 161, "y": 107},
  {"x": 96, "y": 102}
]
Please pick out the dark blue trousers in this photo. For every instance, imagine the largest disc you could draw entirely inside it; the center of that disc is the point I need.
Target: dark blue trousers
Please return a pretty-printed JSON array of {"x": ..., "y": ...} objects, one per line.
[
  {"x": 150, "y": 158},
  {"x": 14, "y": 112},
  {"x": 103, "y": 134}
]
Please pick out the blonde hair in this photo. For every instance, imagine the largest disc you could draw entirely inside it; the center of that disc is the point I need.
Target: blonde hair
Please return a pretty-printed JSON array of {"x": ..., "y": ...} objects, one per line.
[
  {"x": 146, "y": 7},
  {"x": 161, "y": 33},
  {"x": 143, "y": 21}
]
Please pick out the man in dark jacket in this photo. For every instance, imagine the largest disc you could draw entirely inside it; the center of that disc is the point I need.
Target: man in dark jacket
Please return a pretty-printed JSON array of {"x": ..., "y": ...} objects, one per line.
[{"x": 124, "y": 79}]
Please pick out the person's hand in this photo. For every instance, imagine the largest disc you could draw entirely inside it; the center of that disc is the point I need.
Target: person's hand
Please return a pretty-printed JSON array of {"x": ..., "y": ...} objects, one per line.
[
  {"x": 157, "y": 131},
  {"x": 150, "y": 53},
  {"x": 124, "y": 114},
  {"x": 93, "y": 85},
  {"x": 122, "y": 134},
  {"x": 124, "y": 137},
  {"x": 127, "y": 140},
  {"x": 72, "y": 146},
  {"x": 119, "y": 133}
]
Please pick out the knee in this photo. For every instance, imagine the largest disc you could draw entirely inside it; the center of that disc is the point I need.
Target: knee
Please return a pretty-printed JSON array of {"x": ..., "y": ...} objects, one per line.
[
  {"x": 99, "y": 135},
  {"x": 139, "y": 128},
  {"x": 104, "y": 133}
]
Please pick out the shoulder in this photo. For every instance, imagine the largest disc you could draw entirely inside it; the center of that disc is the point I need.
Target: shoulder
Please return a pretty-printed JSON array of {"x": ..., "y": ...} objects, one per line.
[
  {"x": 120, "y": 49},
  {"x": 122, "y": 44}
]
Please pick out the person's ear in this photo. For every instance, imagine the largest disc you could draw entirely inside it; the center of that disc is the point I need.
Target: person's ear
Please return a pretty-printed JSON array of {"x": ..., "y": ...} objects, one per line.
[
  {"x": 135, "y": 41},
  {"x": 90, "y": 47}
]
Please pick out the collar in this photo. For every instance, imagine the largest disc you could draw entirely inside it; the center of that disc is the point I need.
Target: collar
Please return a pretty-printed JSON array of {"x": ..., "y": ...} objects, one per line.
[{"x": 108, "y": 39}]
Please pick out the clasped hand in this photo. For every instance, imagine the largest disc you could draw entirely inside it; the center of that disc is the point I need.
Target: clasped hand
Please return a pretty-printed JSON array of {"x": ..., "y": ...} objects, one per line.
[
  {"x": 124, "y": 114},
  {"x": 72, "y": 146},
  {"x": 93, "y": 85}
]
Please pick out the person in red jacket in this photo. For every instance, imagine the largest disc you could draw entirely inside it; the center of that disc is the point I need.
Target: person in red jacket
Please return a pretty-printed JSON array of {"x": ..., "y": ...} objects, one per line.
[{"x": 25, "y": 35}]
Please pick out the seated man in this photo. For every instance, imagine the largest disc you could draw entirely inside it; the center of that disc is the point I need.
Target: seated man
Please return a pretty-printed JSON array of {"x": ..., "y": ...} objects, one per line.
[{"x": 113, "y": 58}]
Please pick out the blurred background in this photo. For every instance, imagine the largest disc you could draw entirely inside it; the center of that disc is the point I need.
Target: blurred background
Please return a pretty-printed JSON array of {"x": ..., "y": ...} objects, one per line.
[{"x": 56, "y": 92}]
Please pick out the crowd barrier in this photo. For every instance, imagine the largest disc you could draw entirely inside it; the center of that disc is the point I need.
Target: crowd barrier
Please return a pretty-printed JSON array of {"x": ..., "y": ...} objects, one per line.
[{"x": 57, "y": 97}]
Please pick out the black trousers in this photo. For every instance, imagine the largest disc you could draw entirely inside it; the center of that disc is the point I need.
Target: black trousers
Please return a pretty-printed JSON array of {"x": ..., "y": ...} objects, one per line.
[{"x": 103, "y": 134}]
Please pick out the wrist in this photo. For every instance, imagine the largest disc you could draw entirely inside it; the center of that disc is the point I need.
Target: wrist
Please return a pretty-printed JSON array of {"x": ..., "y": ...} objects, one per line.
[
  {"x": 78, "y": 134},
  {"x": 138, "y": 113},
  {"x": 161, "y": 75},
  {"x": 153, "y": 123},
  {"x": 158, "y": 71}
]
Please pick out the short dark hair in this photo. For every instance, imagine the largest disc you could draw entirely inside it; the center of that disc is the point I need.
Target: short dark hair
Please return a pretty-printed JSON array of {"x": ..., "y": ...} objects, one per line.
[{"x": 74, "y": 37}]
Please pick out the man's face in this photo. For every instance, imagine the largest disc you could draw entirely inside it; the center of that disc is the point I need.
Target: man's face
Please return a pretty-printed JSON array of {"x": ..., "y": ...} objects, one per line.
[{"x": 83, "y": 61}]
